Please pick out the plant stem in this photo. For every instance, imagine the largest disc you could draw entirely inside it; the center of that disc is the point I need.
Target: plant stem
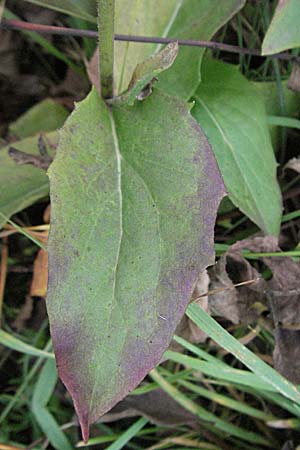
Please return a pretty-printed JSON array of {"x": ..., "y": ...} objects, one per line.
[{"x": 106, "y": 14}]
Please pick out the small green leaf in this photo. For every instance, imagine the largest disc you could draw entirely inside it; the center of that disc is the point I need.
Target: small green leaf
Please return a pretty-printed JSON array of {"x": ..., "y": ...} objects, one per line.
[
  {"x": 134, "y": 191},
  {"x": 83, "y": 9},
  {"x": 146, "y": 71},
  {"x": 240, "y": 139},
  {"x": 284, "y": 30},
  {"x": 43, "y": 117},
  {"x": 22, "y": 185}
]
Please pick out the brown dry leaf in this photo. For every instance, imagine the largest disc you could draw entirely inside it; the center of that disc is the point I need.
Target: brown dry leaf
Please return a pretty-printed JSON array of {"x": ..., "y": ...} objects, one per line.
[
  {"x": 224, "y": 302},
  {"x": 34, "y": 13},
  {"x": 73, "y": 88},
  {"x": 235, "y": 304},
  {"x": 46, "y": 215},
  {"x": 156, "y": 405},
  {"x": 8, "y": 65},
  {"x": 293, "y": 164},
  {"x": 40, "y": 275},
  {"x": 92, "y": 68},
  {"x": 294, "y": 80},
  {"x": 9, "y": 447},
  {"x": 281, "y": 294},
  {"x": 24, "y": 314},
  {"x": 286, "y": 354},
  {"x": 284, "y": 298},
  {"x": 40, "y": 267},
  {"x": 186, "y": 328}
]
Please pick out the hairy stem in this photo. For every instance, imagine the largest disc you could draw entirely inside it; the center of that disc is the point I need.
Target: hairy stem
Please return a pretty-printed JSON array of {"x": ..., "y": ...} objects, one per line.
[{"x": 106, "y": 13}]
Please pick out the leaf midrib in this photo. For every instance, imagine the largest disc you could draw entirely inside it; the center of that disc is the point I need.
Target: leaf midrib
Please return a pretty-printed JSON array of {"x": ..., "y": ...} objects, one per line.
[
  {"x": 121, "y": 231},
  {"x": 119, "y": 158}
]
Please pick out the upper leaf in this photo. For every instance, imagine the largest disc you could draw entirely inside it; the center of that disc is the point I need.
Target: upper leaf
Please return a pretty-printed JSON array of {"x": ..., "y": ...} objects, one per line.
[
  {"x": 179, "y": 19},
  {"x": 199, "y": 20},
  {"x": 241, "y": 142},
  {"x": 134, "y": 193},
  {"x": 284, "y": 30}
]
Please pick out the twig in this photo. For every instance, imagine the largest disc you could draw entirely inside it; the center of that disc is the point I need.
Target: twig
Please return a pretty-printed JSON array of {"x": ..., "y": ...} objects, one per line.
[
  {"x": 49, "y": 29},
  {"x": 226, "y": 288}
]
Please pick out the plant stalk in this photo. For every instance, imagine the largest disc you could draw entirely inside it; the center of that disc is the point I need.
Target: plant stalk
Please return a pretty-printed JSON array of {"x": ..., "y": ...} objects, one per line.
[{"x": 106, "y": 14}]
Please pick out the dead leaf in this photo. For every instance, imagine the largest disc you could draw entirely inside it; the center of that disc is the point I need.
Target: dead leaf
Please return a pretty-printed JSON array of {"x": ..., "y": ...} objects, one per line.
[
  {"x": 286, "y": 354},
  {"x": 93, "y": 70},
  {"x": 40, "y": 266},
  {"x": 40, "y": 275},
  {"x": 73, "y": 88},
  {"x": 283, "y": 294},
  {"x": 23, "y": 315},
  {"x": 280, "y": 294},
  {"x": 156, "y": 405},
  {"x": 235, "y": 304},
  {"x": 186, "y": 328},
  {"x": 46, "y": 215},
  {"x": 294, "y": 80},
  {"x": 289, "y": 445},
  {"x": 293, "y": 164}
]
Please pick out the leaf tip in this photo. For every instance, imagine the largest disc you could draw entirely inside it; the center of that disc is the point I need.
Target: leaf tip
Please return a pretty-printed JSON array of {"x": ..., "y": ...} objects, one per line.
[{"x": 85, "y": 428}]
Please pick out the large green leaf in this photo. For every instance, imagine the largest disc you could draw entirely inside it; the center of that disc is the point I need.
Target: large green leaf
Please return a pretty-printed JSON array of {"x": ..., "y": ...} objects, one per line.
[
  {"x": 134, "y": 195},
  {"x": 284, "y": 30},
  {"x": 268, "y": 91},
  {"x": 199, "y": 20},
  {"x": 83, "y": 9},
  {"x": 234, "y": 119},
  {"x": 21, "y": 185},
  {"x": 182, "y": 19}
]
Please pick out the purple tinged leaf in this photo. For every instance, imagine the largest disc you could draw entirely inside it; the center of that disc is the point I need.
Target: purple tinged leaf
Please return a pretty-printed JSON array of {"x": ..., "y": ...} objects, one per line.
[{"x": 134, "y": 194}]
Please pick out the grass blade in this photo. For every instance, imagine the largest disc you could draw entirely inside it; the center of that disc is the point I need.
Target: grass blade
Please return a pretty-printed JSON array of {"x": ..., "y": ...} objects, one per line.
[
  {"x": 205, "y": 415},
  {"x": 14, "y": 343},
  {"x": 249, "y": 359},
  {"x": 24, "y": 232},
  {"x": 41, "y": 396},
  {"x": 128, "y": 435},
  {"x": 227, "y": 373},
  {"x": 282, "y": 121}
]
